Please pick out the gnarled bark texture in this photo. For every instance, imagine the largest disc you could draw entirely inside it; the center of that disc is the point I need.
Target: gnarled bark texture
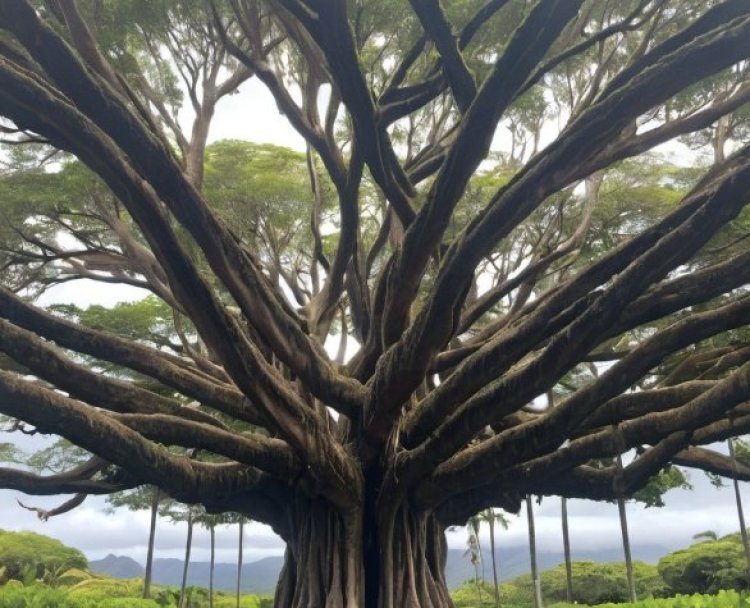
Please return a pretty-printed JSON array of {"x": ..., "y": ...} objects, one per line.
[{"x": 394, "y": 557}]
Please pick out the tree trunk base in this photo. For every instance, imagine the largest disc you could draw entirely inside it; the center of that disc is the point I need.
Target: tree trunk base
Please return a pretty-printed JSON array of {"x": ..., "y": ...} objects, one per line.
[{"x": 330, "y": 563}]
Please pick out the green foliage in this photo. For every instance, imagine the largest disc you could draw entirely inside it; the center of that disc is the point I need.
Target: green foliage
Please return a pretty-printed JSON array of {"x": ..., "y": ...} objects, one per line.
[
  {"x": 10, "y": 454},
  {"x": 58, "y": 457},
  {"x": 103, "y": 588},
  {"x": 723, "y": 599},
  {"x": 147, "y": 319},
  {"x": 593, "y": 583},
  {"x": 112, "y": 593},
  {"x": 468, "y": 595},
  {"x": 27, "y": 556},
  {"x": 41, "y": 596},
  {"x": 669, "y": 478},
  {"x": 706, "y": 567},
  {"x": 36, "y": 596}
]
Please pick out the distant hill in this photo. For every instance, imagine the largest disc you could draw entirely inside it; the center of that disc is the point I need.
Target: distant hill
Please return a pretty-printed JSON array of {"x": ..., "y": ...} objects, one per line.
[
  {"x": 257, "y": 577},
  {"x": 118, "y": 566},
  {"x": 261, "y": 576},
  {"x": 514, "y": 561}
]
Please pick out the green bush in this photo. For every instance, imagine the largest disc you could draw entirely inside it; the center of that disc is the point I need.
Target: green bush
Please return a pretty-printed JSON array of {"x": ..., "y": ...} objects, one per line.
[
  {"x": 99, "y": 589},
  {"x": 34, "y": 596},
  {"x": 705, "y": 567},
  {"x": 468, "y": 596},
  {"x": 723, "y": 599},
  {"x": 27, "y": 556},
  {"x": 127, "y": 602},
  {"x": 593, "y": 583},
  {"x": 246, "y": 601}
]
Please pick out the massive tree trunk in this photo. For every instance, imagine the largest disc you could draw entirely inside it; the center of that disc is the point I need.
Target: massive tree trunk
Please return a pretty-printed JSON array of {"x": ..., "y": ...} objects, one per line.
[{"x": 390, "y": 559}]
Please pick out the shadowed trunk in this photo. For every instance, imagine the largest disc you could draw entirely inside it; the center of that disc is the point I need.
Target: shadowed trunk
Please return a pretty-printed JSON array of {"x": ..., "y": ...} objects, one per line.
[
  {"x": 150, "y": 551},
  {"x": 392, "y": 560}
]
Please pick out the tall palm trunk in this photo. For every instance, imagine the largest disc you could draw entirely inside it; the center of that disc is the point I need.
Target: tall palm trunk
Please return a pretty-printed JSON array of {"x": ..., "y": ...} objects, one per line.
[
  {"x": 150, "y": 551},
  {"x": 212, "y": 532},
  {"x": 532, "y": 553},
  {"x": 491, "y": 521},
  {"x": 566, "y": 551},
  {"x": 740, "y": 512},
  {"x": 626, "y": 538},
  {"x": 239, "y": 561},
  {"x": 188, "y": 546}
]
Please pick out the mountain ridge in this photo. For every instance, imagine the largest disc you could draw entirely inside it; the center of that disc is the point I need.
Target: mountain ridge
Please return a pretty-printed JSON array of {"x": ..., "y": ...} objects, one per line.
[{"x": 260, "y": 576}]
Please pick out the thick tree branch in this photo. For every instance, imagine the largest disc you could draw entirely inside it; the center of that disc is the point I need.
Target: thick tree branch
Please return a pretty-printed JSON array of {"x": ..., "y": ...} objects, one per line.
[
  {"x": 229, "y": 260},
  {"x": 169, "y": 370}
]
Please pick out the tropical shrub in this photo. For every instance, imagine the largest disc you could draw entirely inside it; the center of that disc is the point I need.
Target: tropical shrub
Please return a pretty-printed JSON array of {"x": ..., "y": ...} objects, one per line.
[
  {"x": 705, "y": 567},
  {"x": 723, "y": 599},
  {"x": 468, "y": 595},
  {"x": 246, "y": 601},
  {"x": 34, "y": 596},
  {"x": 27, "y": 556},
  {"x": 593, "y": 583},
  {"x": 99, "y": 589}
]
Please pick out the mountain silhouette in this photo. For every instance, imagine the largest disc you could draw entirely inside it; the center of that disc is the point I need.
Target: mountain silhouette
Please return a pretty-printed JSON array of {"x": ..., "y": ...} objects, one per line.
[{"x": 261, "y": 576}]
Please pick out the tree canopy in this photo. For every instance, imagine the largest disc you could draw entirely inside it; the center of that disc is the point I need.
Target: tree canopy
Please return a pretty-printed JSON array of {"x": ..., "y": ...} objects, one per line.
[{"x": 490, "y": 271}]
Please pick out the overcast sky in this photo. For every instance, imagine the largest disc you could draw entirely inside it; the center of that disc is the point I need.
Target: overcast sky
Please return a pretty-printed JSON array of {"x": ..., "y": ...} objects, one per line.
[
  {"x": 253, "y": 115},
  {"x": 97, "y": 532}
]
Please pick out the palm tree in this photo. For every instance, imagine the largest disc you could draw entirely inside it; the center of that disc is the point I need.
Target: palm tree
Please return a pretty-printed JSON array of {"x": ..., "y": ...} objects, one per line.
[
  {"x": 151, "y": 537},
  {"x": 625, "y": 537},
  {"x": 532, "y": 552},
  {"x": 491, "y": 517},
  {"x": 707, "y": 536},
  {"x": 188, "y": 546},
  {"x": 210, "y": 522},
  {"x": 740, "y": 512},
  {"x": 474, "y": 551},
  {"x": 212, "y": 532},
  {"x": 239, "y": 559},
  {"x": 566, "y": 551}
]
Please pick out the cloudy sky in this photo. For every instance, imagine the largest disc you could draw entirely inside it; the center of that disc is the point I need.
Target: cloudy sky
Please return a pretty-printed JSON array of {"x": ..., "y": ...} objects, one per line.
[{"x": 99, "y": 531}]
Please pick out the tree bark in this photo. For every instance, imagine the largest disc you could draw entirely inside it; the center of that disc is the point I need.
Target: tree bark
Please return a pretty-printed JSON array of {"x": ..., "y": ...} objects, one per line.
[
  {"x": 566, "y": 550},
  {"x": 740, "y": 512},
  {"x": 538, "y": 603},
  {"x": 391, "y": 558},
  {"x": 188, "y": 546},
  {"x": 150, "y": 551}
]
